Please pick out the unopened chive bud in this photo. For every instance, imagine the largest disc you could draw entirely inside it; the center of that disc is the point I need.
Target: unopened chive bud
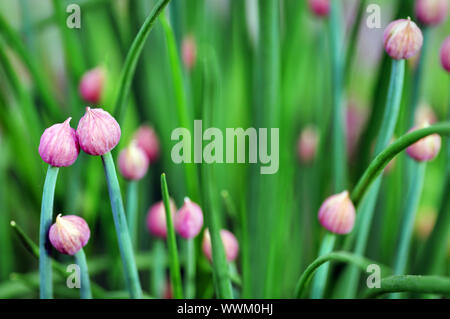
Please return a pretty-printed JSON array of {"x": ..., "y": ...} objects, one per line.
[
  {"x": 69, "y": 234},
  {"x": 307, "y": 144},
  {"x": 91, "y": 85},
  {"x": 98, "y": 132},
  {"x": 402, "y": 39},
  {"x": 156, "y": 219},
  {"x": 431, "y": 12},
  {"x": 59, "y": 145},
  {"x": 445, "y": 54},
  {"x": 230, "y": 244},
  {"x": 147, "y": 140},
  {"x": 337, "y": 213},
  {"x": 133, "y": 162},
  {"x": 426, "y": 148},
  {"x": 320, "y": 8},
  {"x": 189, "y": 219}
]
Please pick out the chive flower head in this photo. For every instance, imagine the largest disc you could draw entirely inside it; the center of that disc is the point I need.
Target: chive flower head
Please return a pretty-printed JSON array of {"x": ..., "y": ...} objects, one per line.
[
  {"x": 156, "y": 219},
  {"x": 91, "y": 85},
  {"x": 307, "y": 144},
  {"x": 69, "y": 234},
  {"x": 59, "y": 145},
  {"x": 98, "y": 132},
  {"x": 402, "y": 39},
  {"x": 320, "y": 8},
  {"x": 133, "y": 162},
  {"x": 147, "y": 140},
  {"x": 189, "y": 219},
  {"x": 431, "y": 12},
  {"x": 337, "y": 213},
  {"x": 189, "y": 51},
  {"x": 230, "y": 244},
  {"x": 426, "y": 148},
  {"x": 445, "y": 54}
]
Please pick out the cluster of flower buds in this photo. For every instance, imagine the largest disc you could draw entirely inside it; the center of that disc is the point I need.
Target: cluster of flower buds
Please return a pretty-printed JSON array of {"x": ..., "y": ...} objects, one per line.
[
  {"x": 320, "y": 8},
  {"x": 426, "y": 148},
  {"x": 69, "y": 234},
  {"x": 402, "y": 39},
  {"x": 431, "y": 12},
  {"x": 229, "y": 241},
  {"x": 307, "y": 144},
  {"x": 337, "y": 213}
]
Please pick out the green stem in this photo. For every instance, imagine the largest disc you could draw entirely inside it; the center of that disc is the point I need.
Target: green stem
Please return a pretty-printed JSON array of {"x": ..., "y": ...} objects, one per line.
[
  {"x": 45, "y": 264},
  {"x": 190, "y": 268},
  {"x": 410, "y": 283},
  {"x": 132, "y": 58},
  {"x": 175, "y": 273},
  {"x": 158, "y": 269},
  {"x": 85, "y": 289},
  {"x": 320, "y": 280},
  {"x": 132, "y": 203},
  {"x": 341, "y": 256},
  {"x": 120, "y": 222}
]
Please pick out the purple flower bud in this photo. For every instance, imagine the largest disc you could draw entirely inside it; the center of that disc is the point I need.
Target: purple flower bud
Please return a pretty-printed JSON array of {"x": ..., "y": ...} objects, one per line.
[
  {"x": 431, "y": 12},
  {"x": 91, "y": 85},
  {"x": 426, "y": 148},
  {"x": 337, "y": 213},
  {"x": 59, "y": 145},
  {"x": 320, "y": 8},
  {"x": 69, "y": 234},
  {"x": 307, "y": 144},
  {"x": 189, "y": 51},
  {"x": 147, "y": 140},
  {"x": 445, "y": 54},
  {"x": 189, "y": 219},
  {"x": 98, "y": 132},
  {"x": 156, "y": 218},
  {"x": 133, "y": 162},
  {"x": 229, "y": 241},
  {"x": 402, "y": 39}
]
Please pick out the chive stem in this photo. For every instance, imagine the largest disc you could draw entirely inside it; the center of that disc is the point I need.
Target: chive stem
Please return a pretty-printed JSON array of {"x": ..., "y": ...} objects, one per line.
[
  {"x": 132, "y": 209},
  {"x": 157, "y": 268},
  {"x": 85, "y": 289},
  {"x": 320, "y": 280},
  {"x": 190, "y": 268}
]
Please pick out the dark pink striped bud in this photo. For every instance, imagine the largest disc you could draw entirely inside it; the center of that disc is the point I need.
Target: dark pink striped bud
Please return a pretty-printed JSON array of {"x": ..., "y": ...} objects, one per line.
[
  {"x": 402, "y": 39},
  {"x": 69, "y": 234}
]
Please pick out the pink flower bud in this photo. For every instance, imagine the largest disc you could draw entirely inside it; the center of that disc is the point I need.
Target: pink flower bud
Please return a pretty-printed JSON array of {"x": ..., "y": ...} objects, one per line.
[
  {"x": 445, "y": 54},
  {"x": 337, "y": 213},
  {"x": 431, "y": 12},
  {"x": 424, "y": 113},
  {"x": 307, "y": 144},
  {"x": 156, "y": 218},
  {"x": 402, "y": 39},
  {"x": 189, "y": 219},
  {"x": 320, "y": 8},
  {"x": 147, "y": 140},
  {"x": 91, "y": 85},
  {"x": 426, "y": 148},
  {"x": 133, "y": 162},
  {"x": 98, "y": 132},
  {"x": 59, "y": 145},
  {"x": 230, "y": 244},
  {"x": 69, "y": 234},
  {"x": 189, "y": 51}
]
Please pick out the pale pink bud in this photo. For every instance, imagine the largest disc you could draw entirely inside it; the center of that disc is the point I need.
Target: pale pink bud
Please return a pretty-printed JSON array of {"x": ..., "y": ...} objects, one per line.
[
  {"x": 147, "y": 140},
  {"x": 98, "y": 132},
  {"x": 445, "y": 54},
  {"x": 133, "y": 162},
  {"x": 424, "y": 113},
  {"x": 337, "y": 213},
  {"x": 59, "y": 145},
  {"x": 426, "y": 148},
  {"x": 320, "y": 8},
  {"x": 156, "y": 219},
  {"x": 431, "y": 12},
  {"x": 230, "y": 244},
  {"x": 189, "y": 219},
  {"x": 189, "y": 51},
  {"x": 307, "y": 144},
  {"x": 91, "y": 85},
  {"x": 69, "y": 234},
  {"x": 355, "y": 120},
  {"x": 402, "y": 39}
]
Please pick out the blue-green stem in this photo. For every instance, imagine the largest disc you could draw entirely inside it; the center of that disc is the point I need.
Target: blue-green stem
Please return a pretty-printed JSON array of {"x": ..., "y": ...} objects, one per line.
[
  {"x": 366, "y": 209},
  {"x": 190, "y": 268},
  {"x": 174, "y": 263},
  {"x": 85, "y": 289},
  {"x": 120, "y": 222},
  {"x": 132, "y": 209},
  {"x": 320, "y": 280},
  {"x": 158, "y": 277},
  {"x": 45, "y": 264}
]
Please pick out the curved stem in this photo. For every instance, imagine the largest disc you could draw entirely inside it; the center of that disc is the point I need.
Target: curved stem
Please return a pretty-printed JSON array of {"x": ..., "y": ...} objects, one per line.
[
  {"x": 410, "y": 283},
  {"x": 132, "y": 59},
  {"x": 85, "y": 289},
  {"x": 172, "y": 243},
  {"x": 120, "y": 222},
  {"x": 341, "y": 256},
  {"x": 45, "y": 264},
  {"x": 132, "y": 203}
]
